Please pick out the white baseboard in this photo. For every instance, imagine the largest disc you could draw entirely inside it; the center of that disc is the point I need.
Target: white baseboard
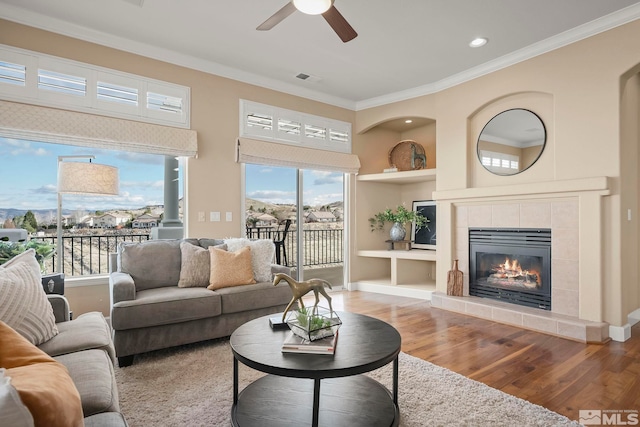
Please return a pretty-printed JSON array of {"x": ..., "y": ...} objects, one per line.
[
  {"x": 634, "y": 317},
  {"x": 620, "y": 333}
]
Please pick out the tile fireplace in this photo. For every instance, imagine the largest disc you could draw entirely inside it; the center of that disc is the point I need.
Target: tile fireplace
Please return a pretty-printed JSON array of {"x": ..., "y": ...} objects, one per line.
[{"x": 511, "y": 265}]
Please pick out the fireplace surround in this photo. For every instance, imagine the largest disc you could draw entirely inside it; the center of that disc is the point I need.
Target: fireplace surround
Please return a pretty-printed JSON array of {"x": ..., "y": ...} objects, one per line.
[{"x": 511, "y": 265}]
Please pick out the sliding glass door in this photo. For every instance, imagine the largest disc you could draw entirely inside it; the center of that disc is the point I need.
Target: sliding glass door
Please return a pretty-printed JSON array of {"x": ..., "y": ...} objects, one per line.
[{"x": 302, "y": 211}]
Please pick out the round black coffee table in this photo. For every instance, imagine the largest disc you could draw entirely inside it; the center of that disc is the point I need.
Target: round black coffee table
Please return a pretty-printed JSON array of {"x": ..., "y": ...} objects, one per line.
[{"x": 292, "y": 394}]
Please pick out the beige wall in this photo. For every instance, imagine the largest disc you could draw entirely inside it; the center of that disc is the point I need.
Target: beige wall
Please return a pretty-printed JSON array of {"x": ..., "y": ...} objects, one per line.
[
  {"x": 576, "y": 90},
  {"x": 213, "y": 179},
  {"x": 630, "y": 188}
]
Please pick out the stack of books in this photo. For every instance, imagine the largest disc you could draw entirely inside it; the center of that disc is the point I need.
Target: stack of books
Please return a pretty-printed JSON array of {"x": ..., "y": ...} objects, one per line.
[{"x": 295, "y": 344}]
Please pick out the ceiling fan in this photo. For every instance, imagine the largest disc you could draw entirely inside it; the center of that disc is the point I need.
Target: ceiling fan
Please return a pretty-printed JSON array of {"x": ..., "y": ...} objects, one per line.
[{"x": 313, "y": 7}]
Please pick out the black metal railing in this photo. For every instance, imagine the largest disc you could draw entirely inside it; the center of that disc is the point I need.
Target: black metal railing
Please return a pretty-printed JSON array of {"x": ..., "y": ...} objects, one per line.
[
  {"x": 321, "y": 246},
  {"x": 89, "y": 254}
]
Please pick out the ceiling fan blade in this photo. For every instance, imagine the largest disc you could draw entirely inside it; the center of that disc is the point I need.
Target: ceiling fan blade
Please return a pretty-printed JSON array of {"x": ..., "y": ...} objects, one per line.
[
  {"x": 277, "y": 17},
  {"x": 339, "y": 24}
]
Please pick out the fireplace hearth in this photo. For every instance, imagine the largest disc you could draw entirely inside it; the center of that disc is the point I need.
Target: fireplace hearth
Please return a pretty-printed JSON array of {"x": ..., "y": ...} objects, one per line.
[{"x": 511, "y": 265}]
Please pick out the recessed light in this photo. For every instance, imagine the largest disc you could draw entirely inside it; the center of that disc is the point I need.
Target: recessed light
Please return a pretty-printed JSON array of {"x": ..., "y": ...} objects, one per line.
[
  {"x": 477, "y": 42},
  {"x": 408, "y": 121}
]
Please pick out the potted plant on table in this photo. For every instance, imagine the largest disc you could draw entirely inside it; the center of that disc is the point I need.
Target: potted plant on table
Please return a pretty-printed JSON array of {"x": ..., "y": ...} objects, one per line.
[{"x": 399, "y": 218}]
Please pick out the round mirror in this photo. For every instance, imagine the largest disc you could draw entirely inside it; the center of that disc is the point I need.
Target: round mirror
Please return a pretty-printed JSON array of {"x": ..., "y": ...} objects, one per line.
[{"x": 511, "y": 142}]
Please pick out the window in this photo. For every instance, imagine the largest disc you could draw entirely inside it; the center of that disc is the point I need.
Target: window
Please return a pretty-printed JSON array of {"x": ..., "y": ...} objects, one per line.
[
  {"x": 499, "y": 162},
  {"x": 115, "y": 93},
  {"x": 35, "y": 78},
  {"x": 315, "y": 132},
  {"x": 93, "y": 224},
  {"x": 14, "y": 74},
  {"x": 260, "y": 121},
  {"x": 64, "y": 83},
  {"x": 289, "y": 127},
  {"x": 160, "y": 102},
  {"x": 294, "y": 128}
]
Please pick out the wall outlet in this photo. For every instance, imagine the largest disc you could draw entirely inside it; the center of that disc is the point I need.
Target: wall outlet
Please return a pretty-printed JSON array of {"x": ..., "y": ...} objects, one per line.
[
  {"x": 229, "y": 216},
  {"x": 200, "y": 216},
  {"x": 214, "y": 216}
]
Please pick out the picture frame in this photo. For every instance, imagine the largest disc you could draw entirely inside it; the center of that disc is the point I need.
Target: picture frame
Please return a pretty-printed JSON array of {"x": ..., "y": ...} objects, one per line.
[{"x": 425, "y": 237}]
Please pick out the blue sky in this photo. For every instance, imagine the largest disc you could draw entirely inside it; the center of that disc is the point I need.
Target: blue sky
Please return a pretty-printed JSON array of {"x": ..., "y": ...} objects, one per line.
[
  {"x": 278, "y": 185},
  {"x": 29, "y": 173},
  {"x": 29, "y": 169}
]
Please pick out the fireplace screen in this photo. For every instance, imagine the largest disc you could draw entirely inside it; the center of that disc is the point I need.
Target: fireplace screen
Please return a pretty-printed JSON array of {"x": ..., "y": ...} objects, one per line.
[{"x": 512, "y": 265}]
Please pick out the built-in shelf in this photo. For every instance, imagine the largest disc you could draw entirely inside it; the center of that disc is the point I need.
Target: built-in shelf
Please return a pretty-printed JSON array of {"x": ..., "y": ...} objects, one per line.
[
  {"x": 417, "y": 254},
  {"x": 409, "y": 273},
  {"x": 404, "y": 177}
]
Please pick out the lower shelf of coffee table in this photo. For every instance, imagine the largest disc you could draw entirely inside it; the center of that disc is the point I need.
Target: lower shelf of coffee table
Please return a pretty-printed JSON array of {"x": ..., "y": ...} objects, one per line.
[{"x": 273, "y": 401}]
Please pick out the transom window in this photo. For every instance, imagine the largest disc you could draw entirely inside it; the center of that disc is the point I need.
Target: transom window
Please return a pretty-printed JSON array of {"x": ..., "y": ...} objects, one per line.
[
  {"x": 271, "y": 123},
  {"x": 35, "y": 78},
  {"x": 499, "y": 162}
]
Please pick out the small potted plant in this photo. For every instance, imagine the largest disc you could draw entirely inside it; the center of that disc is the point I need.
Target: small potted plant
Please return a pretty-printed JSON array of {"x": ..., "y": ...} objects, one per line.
[
  {"x": 313, "y": 323},
  {"x": 399, "y": 218}
]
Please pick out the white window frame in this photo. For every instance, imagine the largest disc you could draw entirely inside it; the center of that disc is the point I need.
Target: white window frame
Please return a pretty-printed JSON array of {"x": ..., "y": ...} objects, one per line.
[
  {"x": 89, "y": 103},
  {"x": 301, "y": 139},
  {"x": 500, "y": 158}
]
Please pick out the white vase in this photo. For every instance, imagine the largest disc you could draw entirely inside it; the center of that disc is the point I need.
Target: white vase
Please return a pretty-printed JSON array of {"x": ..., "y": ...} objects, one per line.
[{"x": 397, "y": 232}]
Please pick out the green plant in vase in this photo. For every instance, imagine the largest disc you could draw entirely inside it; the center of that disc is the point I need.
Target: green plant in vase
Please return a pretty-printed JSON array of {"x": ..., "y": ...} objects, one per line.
[
  {"x": 310, "y": 325},
  {"x": 399, "y": 218},
  {"x": 310, "y": 321}
]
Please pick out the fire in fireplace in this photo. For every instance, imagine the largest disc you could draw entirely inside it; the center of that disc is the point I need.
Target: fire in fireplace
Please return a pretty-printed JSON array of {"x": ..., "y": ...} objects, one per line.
[{"x": 512, "y": 265}]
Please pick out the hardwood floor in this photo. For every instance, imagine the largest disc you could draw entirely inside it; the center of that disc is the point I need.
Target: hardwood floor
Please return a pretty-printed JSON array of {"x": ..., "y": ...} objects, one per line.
[{"x": 561, "y": 375}]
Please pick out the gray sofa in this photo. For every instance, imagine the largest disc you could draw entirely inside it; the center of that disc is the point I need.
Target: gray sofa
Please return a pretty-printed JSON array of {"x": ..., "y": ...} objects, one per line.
[
  {"x": 85, "y": 348},
  {"x": 149, "y": 311}
]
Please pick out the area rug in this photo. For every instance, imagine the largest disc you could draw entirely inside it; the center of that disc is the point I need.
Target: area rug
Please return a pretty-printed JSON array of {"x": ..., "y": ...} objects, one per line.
[{"x": 193, "y": 386}]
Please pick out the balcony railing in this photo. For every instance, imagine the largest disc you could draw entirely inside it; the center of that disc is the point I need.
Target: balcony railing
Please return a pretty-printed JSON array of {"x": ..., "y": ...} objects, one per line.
[
  {"x": 89, "y": 254},
  {"x": 321, "y": 246}
]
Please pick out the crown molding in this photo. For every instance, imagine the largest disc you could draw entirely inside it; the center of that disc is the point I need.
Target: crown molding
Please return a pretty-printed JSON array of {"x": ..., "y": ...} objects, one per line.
[
  {"x": 581, "y": 32},
  {"x": 573, "y": 35}
]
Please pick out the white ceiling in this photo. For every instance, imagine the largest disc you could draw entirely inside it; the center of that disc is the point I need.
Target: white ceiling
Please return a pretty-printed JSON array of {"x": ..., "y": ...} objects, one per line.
[{"x": 404, "y": 48}]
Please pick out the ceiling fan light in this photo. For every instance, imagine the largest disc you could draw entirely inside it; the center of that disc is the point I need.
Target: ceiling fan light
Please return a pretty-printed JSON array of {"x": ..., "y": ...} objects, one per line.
[{"x": 312, "y": 7}]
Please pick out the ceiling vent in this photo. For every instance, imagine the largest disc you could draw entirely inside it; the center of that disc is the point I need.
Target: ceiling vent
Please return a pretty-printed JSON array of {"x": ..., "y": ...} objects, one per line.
[
  {"x": 308, "y": 77},
  {"x": 135, "y": 2}
]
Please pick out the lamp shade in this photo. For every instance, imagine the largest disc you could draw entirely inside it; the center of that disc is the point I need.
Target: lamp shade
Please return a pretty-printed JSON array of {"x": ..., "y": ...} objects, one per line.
[
  {"x": 312, "y": 7},
  {"x": 87, "y": 178}
]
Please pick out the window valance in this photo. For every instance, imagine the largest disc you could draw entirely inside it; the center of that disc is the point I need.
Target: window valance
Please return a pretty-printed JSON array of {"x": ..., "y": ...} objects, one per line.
[
  {"x": 35, "y": 123},
  {"x": 274, "y": 154}
]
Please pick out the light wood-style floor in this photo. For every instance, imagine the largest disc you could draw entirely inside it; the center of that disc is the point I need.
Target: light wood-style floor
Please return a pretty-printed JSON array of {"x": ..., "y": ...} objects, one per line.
[{"x": 561, "y": 375}]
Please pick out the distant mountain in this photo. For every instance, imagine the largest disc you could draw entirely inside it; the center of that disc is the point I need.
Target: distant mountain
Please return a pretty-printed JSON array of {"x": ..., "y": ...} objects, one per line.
[{"x": 42, "y": 215}]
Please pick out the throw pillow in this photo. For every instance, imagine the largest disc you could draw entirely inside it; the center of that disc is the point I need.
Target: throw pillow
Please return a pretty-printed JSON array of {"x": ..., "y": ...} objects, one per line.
[
  {"x": 195, "y": 265},
  {"x": 12, "y": 410},
  {"x": 23, "y": 303},
  {"x": 44, "y": 385},
  {"x": 230, "y": 268},
  {"x": 262, "y": 253}
]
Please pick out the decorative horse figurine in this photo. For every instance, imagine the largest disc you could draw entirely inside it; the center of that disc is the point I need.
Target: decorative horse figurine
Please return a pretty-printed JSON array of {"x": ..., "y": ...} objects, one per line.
[
  {"x": 300, "y": 289},
  {"x": 417, "y": 156}
]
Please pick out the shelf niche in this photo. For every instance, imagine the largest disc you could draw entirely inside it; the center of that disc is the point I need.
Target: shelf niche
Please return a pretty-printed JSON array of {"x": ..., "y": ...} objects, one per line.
[{"x": 373, "y": 267}]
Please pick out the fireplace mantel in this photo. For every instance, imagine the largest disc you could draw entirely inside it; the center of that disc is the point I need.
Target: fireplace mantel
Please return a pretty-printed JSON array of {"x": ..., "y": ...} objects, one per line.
[
  {"x": 572, "y": 209},
  {"x": 599, "y": 184}
]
